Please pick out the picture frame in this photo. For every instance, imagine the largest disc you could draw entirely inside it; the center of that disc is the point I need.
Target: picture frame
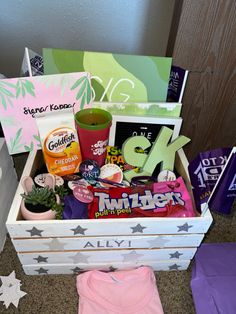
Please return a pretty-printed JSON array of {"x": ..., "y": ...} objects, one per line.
[{"x": 124, "y": 127}]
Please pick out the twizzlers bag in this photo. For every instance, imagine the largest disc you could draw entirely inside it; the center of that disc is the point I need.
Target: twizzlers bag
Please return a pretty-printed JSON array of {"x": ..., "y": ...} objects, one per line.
[
  {"x": 115, "y": 202},
  {"x": 159, "y": 200}
]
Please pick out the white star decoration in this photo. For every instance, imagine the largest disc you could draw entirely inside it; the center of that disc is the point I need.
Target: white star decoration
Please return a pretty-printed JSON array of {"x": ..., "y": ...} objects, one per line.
[
  {"x": 55, "y": 245},
  {"x": 80, "y": 258},
  {"x": 132, "y": 256},
  {"x": 157, "y": 242},
  {"x": 9, "y": 281},
  {"x": 10, "y": 290}
]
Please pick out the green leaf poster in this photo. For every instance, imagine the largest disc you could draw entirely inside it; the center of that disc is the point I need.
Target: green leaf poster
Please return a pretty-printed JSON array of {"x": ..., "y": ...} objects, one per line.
[{"x": 114, "y": 77}]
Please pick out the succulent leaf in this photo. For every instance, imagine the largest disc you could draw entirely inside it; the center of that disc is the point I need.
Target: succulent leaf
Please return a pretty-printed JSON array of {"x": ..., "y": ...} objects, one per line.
[{"x": 47, "y": 197}]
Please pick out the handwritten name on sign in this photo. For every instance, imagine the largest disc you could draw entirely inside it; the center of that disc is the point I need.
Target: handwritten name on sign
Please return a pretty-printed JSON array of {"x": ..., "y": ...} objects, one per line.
[
  {"x": 47, "y": 108},
  {"x": 161, "y": 152},
  {"x": 107, "y": 244}
]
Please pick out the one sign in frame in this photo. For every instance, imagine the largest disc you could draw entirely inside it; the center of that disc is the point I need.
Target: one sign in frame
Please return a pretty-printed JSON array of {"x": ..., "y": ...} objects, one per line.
[{"x": 124, "y": 127}]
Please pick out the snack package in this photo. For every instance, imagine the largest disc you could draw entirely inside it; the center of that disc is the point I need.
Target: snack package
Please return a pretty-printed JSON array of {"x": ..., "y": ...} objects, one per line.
[
  {"x": 59, "y": 140},
  {"x": 115, "y": 202},
  {"x": 114, "y": 156},
  {"x": 162, "y": 199},
  {"x": 179, "y": 200}
]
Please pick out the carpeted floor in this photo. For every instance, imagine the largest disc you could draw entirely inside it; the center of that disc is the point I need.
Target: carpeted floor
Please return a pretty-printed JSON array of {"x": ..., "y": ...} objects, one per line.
[{"x": 57, "y": 293}]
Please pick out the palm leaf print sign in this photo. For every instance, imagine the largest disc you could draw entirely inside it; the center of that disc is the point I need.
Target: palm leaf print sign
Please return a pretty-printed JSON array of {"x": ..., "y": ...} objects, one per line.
[
  {"x": 6, "y": 94},
  {"x": 22, "y": 98},
  {"x": 84, "y": 92}
]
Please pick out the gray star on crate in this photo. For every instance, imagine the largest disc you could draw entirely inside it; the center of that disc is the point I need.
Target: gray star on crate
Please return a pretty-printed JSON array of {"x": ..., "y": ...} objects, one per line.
[
  {"x": 35, "y": 232},
  {"x": 138, "y": 228},
  {"x": 175, "y": 254},
  {"x": 55, "y": 245},
  {"x": 77, "y": 270},
  {"x": 41, "y": 259},
  {"x": 79, "y": 230},
  {"x": 79, "y": 258},
  {"x": 174, "y": 267},
  {"x": 158, "y": 242},
  {"x": 111, "y": 268},
  {"x": 42, "y": 270},
  {"x": 184, "y": 227},
  {"x": 132, "y": 256}
]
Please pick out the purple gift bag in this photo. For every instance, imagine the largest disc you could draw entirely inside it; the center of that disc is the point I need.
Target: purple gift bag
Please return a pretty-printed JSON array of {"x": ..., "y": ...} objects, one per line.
[
  {"x": 204, "y": 171},
  {"x": 74, "y": 209},
  {"x": 213, "y": 280},
  {"x": 224, "y": 192}
]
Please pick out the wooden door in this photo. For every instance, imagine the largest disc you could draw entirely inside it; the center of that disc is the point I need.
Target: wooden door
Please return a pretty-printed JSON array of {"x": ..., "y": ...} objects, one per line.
[{"x": 203, "y": 40}]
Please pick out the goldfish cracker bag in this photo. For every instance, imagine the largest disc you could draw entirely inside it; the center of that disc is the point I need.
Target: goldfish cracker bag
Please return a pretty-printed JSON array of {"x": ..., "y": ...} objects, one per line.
[{"x": 59, "y": 140}]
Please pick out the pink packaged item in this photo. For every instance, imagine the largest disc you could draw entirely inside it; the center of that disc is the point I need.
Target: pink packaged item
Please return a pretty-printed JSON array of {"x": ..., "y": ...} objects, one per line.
[
  {"x": 121, "y": 292},
  {"x": 174, "y": 197},
  {"x": 161, "y": 199}
]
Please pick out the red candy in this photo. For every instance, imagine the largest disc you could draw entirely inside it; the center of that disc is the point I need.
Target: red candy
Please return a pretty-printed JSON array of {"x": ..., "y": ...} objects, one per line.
[{"x": 162, "y": 199}]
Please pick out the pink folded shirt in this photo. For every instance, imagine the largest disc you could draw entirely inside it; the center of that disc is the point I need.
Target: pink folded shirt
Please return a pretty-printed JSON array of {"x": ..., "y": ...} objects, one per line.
[{"x": 127, "y": 292}]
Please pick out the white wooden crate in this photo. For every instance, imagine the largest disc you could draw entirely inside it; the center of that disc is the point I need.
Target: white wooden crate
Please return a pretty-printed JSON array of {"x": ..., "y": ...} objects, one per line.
[
  {"x": 70, "y": 246},
  {"x": 8, "y": 185}
]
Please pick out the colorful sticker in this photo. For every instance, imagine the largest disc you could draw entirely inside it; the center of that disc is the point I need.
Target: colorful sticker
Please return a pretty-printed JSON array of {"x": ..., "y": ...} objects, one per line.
[
  {"x": 82, "y": 194},
  {"x": 166, "y": 175},
  {"x": 40, "y": 180},
  {"x": 112, "y": 173},
  {"x": 89, "y": 170},
  {"x": 73, "y": 184}
]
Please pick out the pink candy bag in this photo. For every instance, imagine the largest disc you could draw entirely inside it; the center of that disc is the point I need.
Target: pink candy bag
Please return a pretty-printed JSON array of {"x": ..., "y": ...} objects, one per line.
[{"x": 173, "y": 198}]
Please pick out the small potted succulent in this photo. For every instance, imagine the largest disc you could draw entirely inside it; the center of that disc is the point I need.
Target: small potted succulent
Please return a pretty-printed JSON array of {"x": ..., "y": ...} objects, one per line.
[{"x": 40, "y": 203}]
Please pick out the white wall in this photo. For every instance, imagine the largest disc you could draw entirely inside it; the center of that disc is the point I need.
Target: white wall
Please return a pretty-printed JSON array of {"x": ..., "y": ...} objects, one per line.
[{"x": 122, "y": 26}]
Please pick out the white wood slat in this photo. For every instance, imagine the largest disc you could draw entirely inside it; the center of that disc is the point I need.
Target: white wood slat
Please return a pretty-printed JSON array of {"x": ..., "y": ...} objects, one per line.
[
  {"x": 45, "y": 258},
  {"x": 123, "y": 226},
  {"x": 106, "y": 243},
  {"x": 74, "y": 269}
]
